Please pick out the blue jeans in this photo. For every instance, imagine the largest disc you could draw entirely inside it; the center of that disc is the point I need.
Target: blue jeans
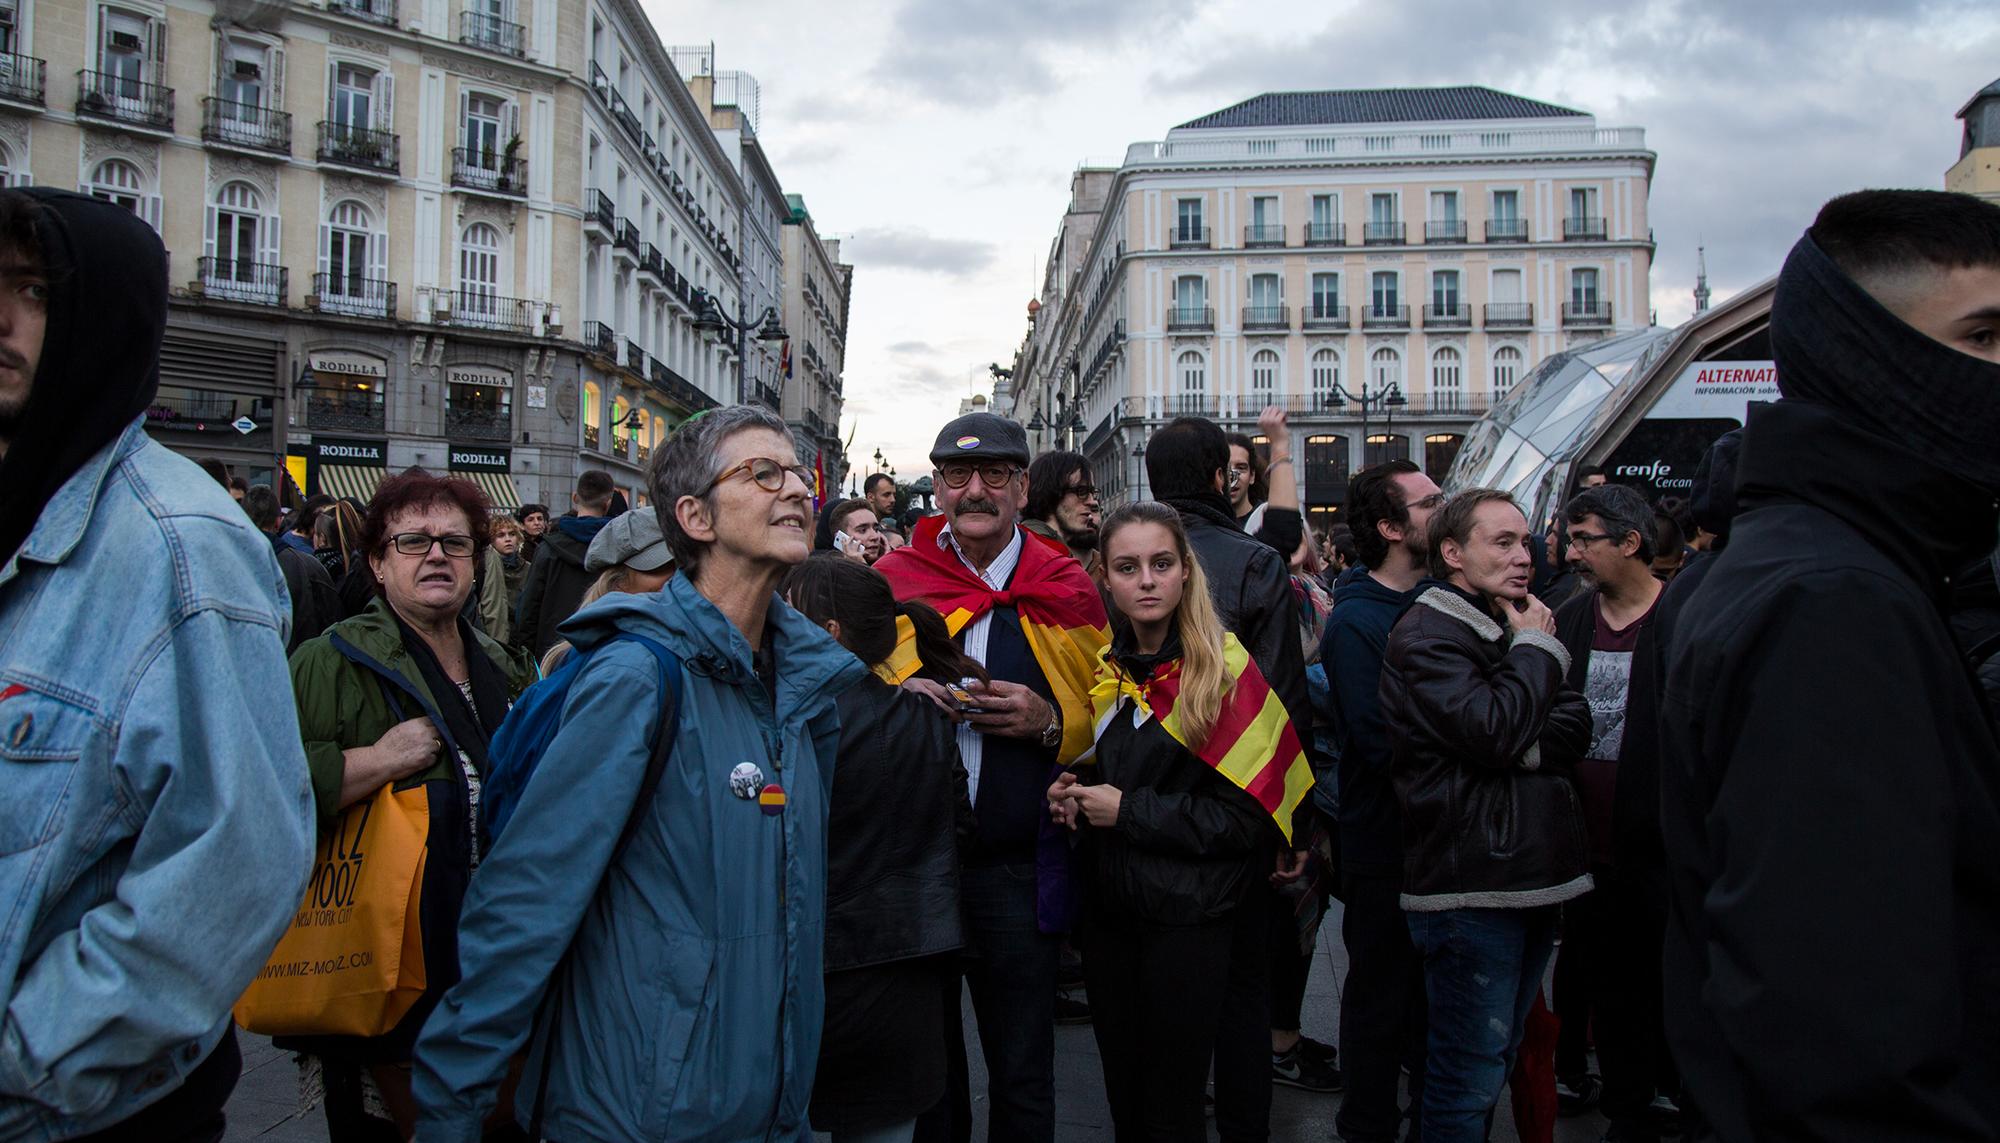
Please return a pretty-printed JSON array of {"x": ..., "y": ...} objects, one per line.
[{"x": 1482, "y": 969}]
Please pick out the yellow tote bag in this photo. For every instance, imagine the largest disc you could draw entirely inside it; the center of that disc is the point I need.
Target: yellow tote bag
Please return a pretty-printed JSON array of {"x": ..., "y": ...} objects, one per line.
[{"x": 352, "y": 962}]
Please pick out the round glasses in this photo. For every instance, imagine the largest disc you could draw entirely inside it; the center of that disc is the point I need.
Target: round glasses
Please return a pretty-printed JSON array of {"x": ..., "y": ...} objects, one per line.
[
  {"x": 991, "y": 475},
  {"x": 769, "y": 474}
]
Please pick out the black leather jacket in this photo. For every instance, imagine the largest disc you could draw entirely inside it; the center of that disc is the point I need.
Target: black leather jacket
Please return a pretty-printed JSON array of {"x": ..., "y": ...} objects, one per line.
[
  {"x": 1483, "y": 732},
  {"x": 1188, "y": 843},
  {"x": 898, "y": 812}
]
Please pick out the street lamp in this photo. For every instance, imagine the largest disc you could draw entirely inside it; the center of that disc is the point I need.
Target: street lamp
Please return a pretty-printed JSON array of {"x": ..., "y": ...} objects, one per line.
[
  {"x": 1035, "y": 423},
  {"x": 1390, "y": 398},
  {"x": 711, "y": 323}
]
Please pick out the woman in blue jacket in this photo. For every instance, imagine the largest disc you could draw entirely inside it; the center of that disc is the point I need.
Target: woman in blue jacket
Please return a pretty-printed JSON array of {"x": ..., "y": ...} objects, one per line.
[{"x": 689, "y": 1004}]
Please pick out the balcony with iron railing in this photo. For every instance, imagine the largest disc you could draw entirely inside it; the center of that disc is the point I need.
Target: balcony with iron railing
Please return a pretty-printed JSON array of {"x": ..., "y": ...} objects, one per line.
[
  {"x": 1510, "y": 315},
  {"x": 241, "y": 280},
  {"x": 492, "y": 172},
  {"x": 354, "y": 296},
  {"x": 635, "y": 357},
  {"x": 1323, "y": 317},
  {"x": 590, "y": 437},
  {"x": 621, "y": 445},
  {"x": 1382, "y": 233},
  {"x": 626, "y": 236},
  {"x": 1449, "y": 315},
  {"x": 196, "y": 411},
  {"x": 484, "y": 30},
  {"x": 116, "y": 99},
  {"x": 1449, "y": 230},
  {"x": 1269, "y": 234},
  {"x": 1322, "y": 407},
  {"x": 246, "y": 125},
  {"x": 381, "y": 12},
  {"x": 478, "y": 309},
  {"x": 1267, "y": 319},
  {"x": 1583, "y": 229},
  {"x": 1189, "y": 319},
  {"x": 767, "y": 395},
  {"x": 651, "y": 261},
  {"x": 1589, "y": 313},
  {"x": 1326, "y": 234},
  {"x": 363, "y": 148},
  {"x": 600, "y": 211},
  {"x": 1381, "y": 316},
  {"x": 349, "y": 410},
  {"x": 1506, "y": 230},
  {"x": 474, "y": 423},
  {"x": 599, "y": 338},
  {"x": 1188, "y": 238},
  {"x": 24, "y": 79}
]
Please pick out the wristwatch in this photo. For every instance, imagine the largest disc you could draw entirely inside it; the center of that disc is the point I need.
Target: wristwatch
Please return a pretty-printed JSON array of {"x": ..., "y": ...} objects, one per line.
[{"x": 1052, "y": 736}]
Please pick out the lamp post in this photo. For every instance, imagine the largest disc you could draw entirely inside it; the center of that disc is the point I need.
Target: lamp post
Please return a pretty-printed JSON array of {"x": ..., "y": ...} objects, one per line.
[
  {"x": 1390, "y": 398},
  {"x": 711, "y": 323},
  {"x": 1138, "y": 468}
]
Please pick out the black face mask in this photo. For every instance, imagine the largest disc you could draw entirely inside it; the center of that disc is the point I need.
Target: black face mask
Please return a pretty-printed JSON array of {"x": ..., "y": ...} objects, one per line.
[
  {"x": 100, "y": 360},
  {"x": 1835, "y": 345}
]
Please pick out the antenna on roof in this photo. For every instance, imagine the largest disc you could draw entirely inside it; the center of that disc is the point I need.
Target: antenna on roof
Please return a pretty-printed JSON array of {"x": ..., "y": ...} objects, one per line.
[{"x": 1701, "y": 279}]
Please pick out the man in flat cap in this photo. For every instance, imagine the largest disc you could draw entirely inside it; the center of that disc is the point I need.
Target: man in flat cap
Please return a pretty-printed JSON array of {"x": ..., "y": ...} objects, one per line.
[{"x": 1022, "y": 607}]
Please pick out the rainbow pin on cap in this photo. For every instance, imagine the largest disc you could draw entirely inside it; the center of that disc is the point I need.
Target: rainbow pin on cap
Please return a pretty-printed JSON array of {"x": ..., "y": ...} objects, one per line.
[{"x": 772, "y": 800}]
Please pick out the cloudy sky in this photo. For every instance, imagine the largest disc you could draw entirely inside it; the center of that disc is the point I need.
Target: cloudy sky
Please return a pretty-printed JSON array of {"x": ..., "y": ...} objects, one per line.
[{"x": 936, "y": 137}]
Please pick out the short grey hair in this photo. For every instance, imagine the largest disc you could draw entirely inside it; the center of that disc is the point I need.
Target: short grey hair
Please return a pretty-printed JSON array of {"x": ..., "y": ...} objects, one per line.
[
  {"x": 1621, "y": 509},
  {"x": 686, "y": 465}
]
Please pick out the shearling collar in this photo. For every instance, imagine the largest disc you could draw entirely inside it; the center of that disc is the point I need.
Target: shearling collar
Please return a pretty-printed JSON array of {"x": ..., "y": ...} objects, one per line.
[{"x": 1455, "y": 604}]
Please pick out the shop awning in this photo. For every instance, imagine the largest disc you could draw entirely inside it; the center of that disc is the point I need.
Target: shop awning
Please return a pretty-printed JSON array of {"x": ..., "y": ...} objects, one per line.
[
  {"x": 343, "y": 480},
  {"x": 498, "y": 486}
]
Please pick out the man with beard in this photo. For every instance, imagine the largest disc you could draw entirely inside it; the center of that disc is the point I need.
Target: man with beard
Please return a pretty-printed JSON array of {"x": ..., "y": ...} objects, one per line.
[
  {"x": 1389, "y": 507},
  {"x": 1264, "y": 493},
  {"x": 1062, "y": 504},
  {"x": 879, "y": 490},
  {"x": 1830, "y": 786},
  {"x": 157, "y": 828},
  {"x": 1607, "y": 977},
  {"x": 1025, "y": 611}
]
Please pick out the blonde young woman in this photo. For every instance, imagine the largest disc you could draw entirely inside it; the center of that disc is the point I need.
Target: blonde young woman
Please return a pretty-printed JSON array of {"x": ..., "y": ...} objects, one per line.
[{"x": 1194, "y": 776}]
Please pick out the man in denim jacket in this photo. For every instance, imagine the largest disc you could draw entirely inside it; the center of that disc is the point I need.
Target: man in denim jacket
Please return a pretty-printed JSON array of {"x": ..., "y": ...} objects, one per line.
[{"x": 155, "y": 814}]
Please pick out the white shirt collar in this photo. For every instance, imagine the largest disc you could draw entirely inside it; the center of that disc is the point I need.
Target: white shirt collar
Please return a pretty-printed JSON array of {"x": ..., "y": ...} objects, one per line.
[{"x": 1000, "y": 570}]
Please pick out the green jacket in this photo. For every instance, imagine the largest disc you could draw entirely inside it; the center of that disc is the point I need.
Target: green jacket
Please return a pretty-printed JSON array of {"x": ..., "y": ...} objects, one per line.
[{"x": 341, "y": 705}]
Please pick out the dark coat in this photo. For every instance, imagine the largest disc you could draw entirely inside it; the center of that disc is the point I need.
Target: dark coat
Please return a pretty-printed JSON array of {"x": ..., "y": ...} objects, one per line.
[
  {"x": 1483, "y": 733},
  {"x": 1357, "y": 637},
  {"x": 898, "y": 807},
  {"x": 1830, "y": 795},
  {"x": 1188, "y": 843},
  {"x": 1635, "y": 805},
  {"x": 556, "y": 582},
  {"x": 315, "y": 602}
]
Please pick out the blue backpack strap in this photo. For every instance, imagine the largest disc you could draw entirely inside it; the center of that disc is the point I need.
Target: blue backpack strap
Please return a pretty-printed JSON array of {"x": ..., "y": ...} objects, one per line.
[{"x": 656, "y": 765}]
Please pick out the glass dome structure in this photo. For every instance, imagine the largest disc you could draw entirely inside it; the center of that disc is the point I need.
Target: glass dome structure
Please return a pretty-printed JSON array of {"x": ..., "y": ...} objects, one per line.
[{"x": 1527, "y": 443}]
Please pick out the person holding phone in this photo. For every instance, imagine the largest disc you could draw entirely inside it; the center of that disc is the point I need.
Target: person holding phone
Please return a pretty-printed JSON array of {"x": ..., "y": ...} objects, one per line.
[{"x": 1192, "y": 781}]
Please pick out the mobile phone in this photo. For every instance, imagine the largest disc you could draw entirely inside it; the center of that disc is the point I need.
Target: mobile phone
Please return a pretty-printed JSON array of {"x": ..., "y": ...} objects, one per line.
[
  {"x": 963, "y": 697},
  {"x": 841, "y": 540}
]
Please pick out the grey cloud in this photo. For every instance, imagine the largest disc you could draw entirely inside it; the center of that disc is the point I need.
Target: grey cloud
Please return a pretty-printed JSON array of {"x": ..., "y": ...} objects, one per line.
[
  {"x": 910, "y": 248},
  {"x": 923, "y": 348},
  {"x": 974, "y": 54}
]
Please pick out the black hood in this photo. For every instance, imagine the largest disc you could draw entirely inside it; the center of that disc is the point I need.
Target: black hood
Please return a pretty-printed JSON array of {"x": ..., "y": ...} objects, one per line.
[
  {"x": 1712, "y": 499},
  {"x": 97, "y": 373},
  {"x": 1834, "y": 344}
]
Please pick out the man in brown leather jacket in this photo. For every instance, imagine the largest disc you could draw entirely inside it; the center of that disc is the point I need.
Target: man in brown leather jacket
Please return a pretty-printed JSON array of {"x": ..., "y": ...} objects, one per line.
[{"x": 1483, "y": 732}]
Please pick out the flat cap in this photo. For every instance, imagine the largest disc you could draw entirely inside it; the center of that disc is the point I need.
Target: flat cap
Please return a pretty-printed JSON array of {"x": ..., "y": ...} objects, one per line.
[
  {"x": 631, "y": 538},
  {"x": 981, "y": 436}
]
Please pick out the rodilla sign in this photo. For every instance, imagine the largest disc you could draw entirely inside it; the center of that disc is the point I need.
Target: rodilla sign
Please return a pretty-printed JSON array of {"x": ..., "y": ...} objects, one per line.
[{"x": 1659, "y": 456}]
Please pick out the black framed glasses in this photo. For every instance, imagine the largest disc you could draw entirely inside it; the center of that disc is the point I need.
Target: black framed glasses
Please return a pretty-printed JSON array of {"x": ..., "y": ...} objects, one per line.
[
  {"x": 1080, "y": 491},
  {"x": 419, "y": 544},
  {"x": 769, "y": 474},
  {"x": 1585, "y": 539},
  {"x": 993, "y": 475}
]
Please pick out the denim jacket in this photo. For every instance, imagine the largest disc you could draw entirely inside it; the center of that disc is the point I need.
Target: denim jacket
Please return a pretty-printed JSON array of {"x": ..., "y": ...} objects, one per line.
[{"x": 156, "y": 827}]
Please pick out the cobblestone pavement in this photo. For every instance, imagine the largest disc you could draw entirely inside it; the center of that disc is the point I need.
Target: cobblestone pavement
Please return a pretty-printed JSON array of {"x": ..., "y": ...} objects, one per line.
[{"x": 265, "y": 1104}]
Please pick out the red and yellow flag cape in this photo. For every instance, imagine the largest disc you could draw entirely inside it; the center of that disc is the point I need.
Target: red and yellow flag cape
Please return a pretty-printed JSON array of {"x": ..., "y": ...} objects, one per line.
[
  {"x": 1253, "y": 743},
  {"x": 1062, "y": 615}
]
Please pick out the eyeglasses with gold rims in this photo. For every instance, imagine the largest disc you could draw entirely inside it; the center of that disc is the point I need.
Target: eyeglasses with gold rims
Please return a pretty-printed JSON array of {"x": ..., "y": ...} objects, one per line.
[
  {"x": 419, "y": 544},
  {"x": 769, "y": 474},
  {"x": 993, "y": 475}
]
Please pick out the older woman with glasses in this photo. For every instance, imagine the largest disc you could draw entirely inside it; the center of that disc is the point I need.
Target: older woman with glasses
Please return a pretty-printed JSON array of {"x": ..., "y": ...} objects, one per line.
[
  {"x": 688, "y": 1004},
  {"x": 407, "y": 693}
]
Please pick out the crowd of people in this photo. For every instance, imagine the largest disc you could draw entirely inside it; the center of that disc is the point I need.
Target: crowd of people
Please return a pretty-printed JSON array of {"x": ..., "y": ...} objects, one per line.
[{"x": 699, "y": 819}]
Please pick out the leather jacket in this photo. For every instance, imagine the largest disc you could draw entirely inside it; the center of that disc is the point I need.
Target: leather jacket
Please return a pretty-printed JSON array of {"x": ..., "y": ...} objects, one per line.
[
  {"x": 899, "y": 808},
  {"x": 1483, "y": 732}
]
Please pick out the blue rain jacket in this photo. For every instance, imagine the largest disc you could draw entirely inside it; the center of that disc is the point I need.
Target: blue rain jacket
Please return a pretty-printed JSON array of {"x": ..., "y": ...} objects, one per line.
[{"x": 691, "y": 1005}]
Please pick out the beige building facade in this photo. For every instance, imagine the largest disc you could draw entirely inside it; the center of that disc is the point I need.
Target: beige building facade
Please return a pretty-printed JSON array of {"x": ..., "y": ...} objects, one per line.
[{"x": 1412, "y": 251}]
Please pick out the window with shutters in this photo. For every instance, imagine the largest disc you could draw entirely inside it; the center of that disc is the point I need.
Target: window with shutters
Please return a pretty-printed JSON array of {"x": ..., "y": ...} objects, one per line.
[
  {"x": 488, "y": 157},
  {"x": 241, "y": 243},
  {"x": 116, "y": 180},
  {"x": 1263, "y": 377},
  {"x": 1194, "y": 383},
  {"x": 1326, "y": 379},
  {"x": 1385, "y": 369},
  {"x": 354, "y": 264},
  {"x": 482, "y": 127},
  {"x": 1507, "y": 363},
  {"x": 479, "y": 274},
  {"x": 353, "y": 90},
  {"x": 245, "y": 80},
  {"x": 1325, "y": 296},
  {"x": 123, "y": 57},
  {"x": 1447, "y": 380}
]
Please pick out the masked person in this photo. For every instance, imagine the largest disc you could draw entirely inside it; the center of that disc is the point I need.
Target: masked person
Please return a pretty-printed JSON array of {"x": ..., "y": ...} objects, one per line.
[
  {"x": 1190, "y": 785},
  {"x": 1830, "y": 785},
  {"x": 156, "y": 831}
]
